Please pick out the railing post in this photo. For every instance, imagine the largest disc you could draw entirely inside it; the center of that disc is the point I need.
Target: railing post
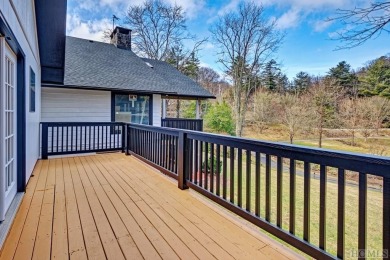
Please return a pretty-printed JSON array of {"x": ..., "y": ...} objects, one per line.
[
  {"x": 45, "y": 137},
  {"x": 182, "y": 163},
  {"x": 386, "y": 216},
  {"x": 197, "y": 109},
  {"x": 128, "y": 138},
  {"x": 124, "y": 138}
]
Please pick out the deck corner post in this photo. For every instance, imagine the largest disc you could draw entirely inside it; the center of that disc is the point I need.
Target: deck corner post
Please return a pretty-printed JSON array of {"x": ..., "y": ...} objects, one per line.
[
  {"x": 181, "y": 165},
  {"x": 45, "y": 137}
]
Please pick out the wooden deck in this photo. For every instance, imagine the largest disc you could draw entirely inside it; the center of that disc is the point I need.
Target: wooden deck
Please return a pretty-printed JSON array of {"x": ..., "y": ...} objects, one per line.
[{"x": 112, "y": 206}]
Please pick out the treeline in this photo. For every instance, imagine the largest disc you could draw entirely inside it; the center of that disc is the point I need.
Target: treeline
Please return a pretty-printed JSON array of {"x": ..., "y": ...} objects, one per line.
[
  {"x": 370, "y": 80},
  {"x": 322, "y": 106}
]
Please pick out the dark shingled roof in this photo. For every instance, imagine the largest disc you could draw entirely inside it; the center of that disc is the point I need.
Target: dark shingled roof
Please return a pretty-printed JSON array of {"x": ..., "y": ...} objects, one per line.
[{"x": 97, "y": 65}]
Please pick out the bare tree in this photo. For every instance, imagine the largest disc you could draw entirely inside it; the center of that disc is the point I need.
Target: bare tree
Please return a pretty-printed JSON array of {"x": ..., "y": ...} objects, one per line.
[
  {"x": 380, "y": 111},
  {"x": 158, "y": 27},
  {"x": 245, "y": 39},
  {"x": 323, "y": 103},
  {"x": 365, "y": 23},
  {"x": 350, "y": 116},
  {"x": 212, "y": 81},
  {"x": 264, "y": 113},
  {"x": 208, "y": 75},
  {"x": 367, "y": 120},
  {"x": 294, "y": 115}
]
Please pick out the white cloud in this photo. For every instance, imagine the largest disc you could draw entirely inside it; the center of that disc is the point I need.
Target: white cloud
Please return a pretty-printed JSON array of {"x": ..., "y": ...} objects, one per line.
[
  {"x": 298, "y": 10},
  {"x": 321, "y": 25},
  {"x": 231, "y": 6},
  {"x": 191, "y": 7},
  {"x": 289, "y": 19},
  {"x": 309, "y": 5},
  {"x": 91, "y": 29},
  {"x": 337, "y": 33},
  {"x": 208, "y": 46}
]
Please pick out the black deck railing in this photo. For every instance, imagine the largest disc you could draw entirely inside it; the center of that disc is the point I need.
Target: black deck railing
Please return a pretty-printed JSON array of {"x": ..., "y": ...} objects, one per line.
[
  {"x": 253, "y": 179},
  {"x": 59, "y": 138},
  {"x": 156, "y": 146},
  {"x": 230, "y": 170},
  {"x": 181, "y": 123}
]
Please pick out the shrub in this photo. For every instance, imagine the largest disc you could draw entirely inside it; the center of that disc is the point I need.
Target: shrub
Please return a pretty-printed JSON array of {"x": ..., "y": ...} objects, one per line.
[{"x": 219, "y": 118}]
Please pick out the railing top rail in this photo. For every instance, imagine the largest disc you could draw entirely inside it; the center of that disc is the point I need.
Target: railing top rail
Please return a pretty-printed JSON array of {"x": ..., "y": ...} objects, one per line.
[
  {"x": 180, "y": 119},
  {"x": 371, "y": 164},
  {"x": 162, "y": 130},
  {"x": 80, "y": 123}
]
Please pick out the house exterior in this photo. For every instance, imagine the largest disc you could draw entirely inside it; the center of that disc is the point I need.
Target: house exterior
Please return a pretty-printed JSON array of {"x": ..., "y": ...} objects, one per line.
[
  {"x": 49, "y": 77},
  {"x": 106, "y": 82},
  {"x": 20, "y": 93}
]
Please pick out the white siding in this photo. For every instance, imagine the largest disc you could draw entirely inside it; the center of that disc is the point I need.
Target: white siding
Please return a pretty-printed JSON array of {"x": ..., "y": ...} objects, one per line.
[
  {"x": 20, "y": 16},
  {"x": 75, "y": 105},
  {"x": 26, "y": 17},
  {"x": 157, "y": 110}
]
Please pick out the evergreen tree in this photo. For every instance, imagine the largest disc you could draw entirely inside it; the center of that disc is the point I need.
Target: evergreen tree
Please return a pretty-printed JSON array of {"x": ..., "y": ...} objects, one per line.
[
  {"x": 188, "y": 64},
  {"x": 283, "y": 83},
  {"x": 302, "y": 82},
  {"x": 375, "y": 79},
  {"x": 270, "y": 75},
  {"x": 191, "y": 66},
  {"x": 344, "y": 77},
  {"x": 185, "y": 62}
]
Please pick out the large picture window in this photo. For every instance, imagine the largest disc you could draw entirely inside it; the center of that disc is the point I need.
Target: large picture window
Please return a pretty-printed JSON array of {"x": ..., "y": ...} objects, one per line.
[
  {"x": 132, "y": 108},
  {"x": 32, "y": 90}
]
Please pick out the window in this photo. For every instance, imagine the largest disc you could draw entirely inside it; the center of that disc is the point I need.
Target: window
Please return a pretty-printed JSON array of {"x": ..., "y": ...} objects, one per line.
[
  {"x": 132, "y": 109},
  {"x": 32, "y": 90}
]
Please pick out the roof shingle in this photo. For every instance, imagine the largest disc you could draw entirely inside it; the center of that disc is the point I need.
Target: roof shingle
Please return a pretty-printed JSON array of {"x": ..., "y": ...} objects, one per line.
[{"x": 91, "y": 64}]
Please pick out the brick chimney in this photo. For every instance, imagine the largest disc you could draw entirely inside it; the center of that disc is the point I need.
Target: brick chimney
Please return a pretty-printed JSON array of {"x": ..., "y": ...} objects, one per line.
[{"x": 121, "y": 38}]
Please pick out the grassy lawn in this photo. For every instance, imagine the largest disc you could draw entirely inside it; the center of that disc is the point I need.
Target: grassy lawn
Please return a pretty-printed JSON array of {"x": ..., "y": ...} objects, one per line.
[
  {"x": 374, "y": 212},
  {"x": 376, "y": 146},
  {"x": 336, "y": 139}
]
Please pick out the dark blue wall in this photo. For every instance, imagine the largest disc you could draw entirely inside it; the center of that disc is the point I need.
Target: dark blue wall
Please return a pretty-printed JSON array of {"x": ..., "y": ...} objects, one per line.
[{"x": 51, "y": 25}]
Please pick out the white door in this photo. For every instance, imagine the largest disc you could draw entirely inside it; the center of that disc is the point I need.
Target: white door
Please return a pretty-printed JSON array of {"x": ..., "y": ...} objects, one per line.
[{"x": 8, "y": 120}]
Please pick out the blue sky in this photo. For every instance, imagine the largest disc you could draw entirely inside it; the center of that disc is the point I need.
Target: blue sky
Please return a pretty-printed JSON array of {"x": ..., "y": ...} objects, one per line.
[{"x": 307, "y": 46}]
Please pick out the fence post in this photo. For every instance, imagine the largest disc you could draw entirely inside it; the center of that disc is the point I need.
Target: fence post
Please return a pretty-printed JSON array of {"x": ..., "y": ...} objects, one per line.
[
  {"x": 182, "y": 168},
  {"x": 45, "y": 137}
]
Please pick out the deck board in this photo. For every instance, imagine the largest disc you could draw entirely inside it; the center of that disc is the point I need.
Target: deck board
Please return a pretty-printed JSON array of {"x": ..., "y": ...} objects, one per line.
[
  {"x": 59, "y": 248},
  {"x": 28, "y": 235},
  {"x": 76, "y": 245},
  {"x": 112, "y": 206}
]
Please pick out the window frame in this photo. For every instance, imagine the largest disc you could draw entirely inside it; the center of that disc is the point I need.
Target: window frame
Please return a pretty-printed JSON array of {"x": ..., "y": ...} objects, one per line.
[
  {"x": 114, "y": 93},
  {"x": 32, "y": 91}
]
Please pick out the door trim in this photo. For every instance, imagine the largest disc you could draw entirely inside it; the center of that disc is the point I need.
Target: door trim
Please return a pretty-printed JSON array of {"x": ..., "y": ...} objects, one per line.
[
  {"x": 6, "y": 31},
  {"x": 8, "y": 96}
]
